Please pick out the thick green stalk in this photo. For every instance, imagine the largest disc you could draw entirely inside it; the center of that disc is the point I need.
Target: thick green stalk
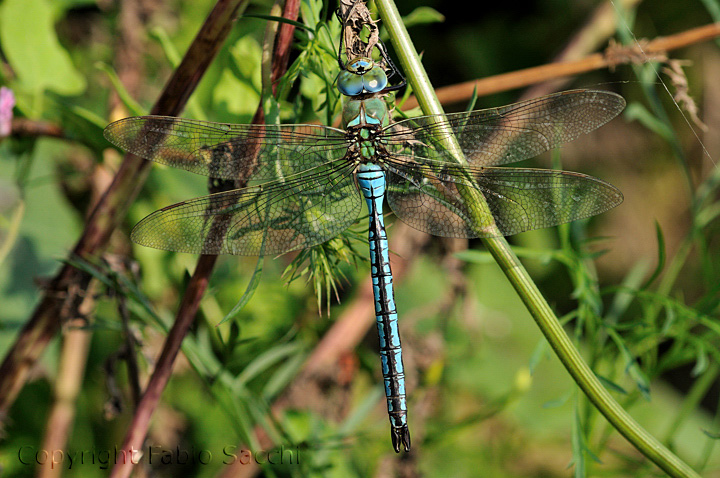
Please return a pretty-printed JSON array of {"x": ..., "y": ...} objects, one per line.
[{"x": 526, "y": 288}]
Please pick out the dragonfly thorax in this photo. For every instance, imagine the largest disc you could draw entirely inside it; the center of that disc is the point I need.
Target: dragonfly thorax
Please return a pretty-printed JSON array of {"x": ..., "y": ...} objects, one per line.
[
  {"x": 366, "y": 145},
  {"x": 367, "y": 111}
]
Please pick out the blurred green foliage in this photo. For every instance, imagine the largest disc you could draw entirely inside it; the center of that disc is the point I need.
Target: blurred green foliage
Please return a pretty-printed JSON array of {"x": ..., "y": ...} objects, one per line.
[{"x": 485, "y": 391}]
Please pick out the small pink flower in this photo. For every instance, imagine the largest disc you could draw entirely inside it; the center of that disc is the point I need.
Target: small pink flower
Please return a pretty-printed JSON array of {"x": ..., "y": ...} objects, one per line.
[{"x": 7, "y": 102}]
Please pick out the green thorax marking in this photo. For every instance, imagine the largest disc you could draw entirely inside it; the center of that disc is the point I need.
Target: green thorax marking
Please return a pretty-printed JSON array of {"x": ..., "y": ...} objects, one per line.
[
  {"x": 364, "y": 118},
  {"x": 369, "y": 111}
]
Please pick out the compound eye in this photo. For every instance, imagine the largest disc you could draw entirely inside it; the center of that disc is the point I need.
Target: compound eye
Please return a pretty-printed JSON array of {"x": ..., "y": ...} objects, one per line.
[
  {"x": 375, "y": 80},
  {"x": 349, "y": 83}
]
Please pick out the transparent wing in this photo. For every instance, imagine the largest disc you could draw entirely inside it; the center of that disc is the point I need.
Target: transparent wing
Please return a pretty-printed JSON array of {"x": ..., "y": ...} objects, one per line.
[
  {"x": 228, "y": 151},
  {"x": 430, "y": 198},
  {"x": 280, "y": 216},
  {"x": 508, "y": 134}
]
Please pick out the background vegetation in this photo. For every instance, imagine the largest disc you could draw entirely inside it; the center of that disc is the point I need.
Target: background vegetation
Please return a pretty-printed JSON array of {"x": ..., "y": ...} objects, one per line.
[{"x": 637, "y": 287}]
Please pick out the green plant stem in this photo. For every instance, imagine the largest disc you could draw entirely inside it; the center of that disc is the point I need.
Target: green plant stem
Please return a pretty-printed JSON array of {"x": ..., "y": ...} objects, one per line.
[{"x": 523, "y": 284}]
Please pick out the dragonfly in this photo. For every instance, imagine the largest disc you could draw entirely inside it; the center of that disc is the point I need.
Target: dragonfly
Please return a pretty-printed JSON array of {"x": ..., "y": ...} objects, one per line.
[{"x": 305, "y": 184}]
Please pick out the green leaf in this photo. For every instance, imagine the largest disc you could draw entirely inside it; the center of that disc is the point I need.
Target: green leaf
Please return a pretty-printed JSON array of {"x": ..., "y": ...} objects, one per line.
[
  {"x": 636, "y": 111},
  {"x": 133, "y": 106},
  {"x": 484, "y": 257},
  {"x": 701, "y": 364},
  {"x": 472, "y": 255},
  {"x": 541, "y": 351},
  {"x": 249, "y": 292},
  {"x": 713, "y": 435},
  {"x": 661, "y": 256},
  {"x": 239, "y": 86},
  {"x": 557, "y": 402},
  {"x": 580, "y": 447},
  {"x": 28, "y": 39},
  {"x": 638, "y": 376},
  {"x": 423, "y": 16},
  {"x": 284, "y": 375},
  {"x": 171, "y": 53},
  {"x": 264, "y": 362},
  {"x": 310, "y": 12},
  {"x": 610, "y": 384}
]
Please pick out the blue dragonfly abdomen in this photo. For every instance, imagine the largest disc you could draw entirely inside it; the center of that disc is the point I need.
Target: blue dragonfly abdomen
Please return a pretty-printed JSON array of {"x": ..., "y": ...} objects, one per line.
[{"x": 371, "y": 179}]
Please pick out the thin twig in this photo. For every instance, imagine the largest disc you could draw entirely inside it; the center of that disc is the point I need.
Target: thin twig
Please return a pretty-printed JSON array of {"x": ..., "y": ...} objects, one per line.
[
  {"x": 28, "y": 127},
  {"x": 71, "y": 369},
  {"x": 551, "y": 71}
]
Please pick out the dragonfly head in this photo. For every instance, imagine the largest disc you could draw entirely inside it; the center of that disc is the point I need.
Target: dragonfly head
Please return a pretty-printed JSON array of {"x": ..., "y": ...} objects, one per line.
[
  {"x": 360, "y": 76},
  {"x": 360, "y": 65}
]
